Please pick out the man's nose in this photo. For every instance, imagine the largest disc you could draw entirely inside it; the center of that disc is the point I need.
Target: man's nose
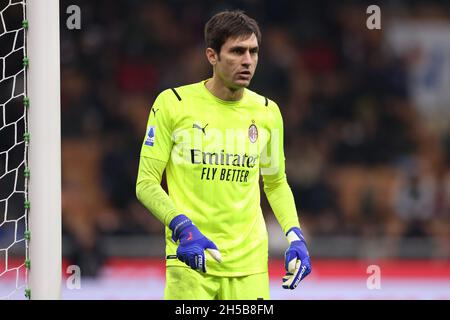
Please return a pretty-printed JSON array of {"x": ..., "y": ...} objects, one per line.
[{"x": 247, "y": 59}]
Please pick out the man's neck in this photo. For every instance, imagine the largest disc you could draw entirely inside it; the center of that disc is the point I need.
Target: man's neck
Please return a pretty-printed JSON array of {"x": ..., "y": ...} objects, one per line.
[{"x": 218, "y": 89}]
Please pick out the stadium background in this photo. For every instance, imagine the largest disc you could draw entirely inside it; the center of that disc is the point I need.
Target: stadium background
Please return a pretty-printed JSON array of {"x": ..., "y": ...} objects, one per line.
[{"x": 367, "y": 130}]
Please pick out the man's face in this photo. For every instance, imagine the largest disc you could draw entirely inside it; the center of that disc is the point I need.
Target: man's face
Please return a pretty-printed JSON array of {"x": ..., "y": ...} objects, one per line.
[{"x": 237, "y": 60}]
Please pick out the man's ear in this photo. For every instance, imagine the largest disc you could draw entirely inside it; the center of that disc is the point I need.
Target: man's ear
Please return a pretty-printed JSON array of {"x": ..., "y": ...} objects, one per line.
[{"x": 212, "y": 56}]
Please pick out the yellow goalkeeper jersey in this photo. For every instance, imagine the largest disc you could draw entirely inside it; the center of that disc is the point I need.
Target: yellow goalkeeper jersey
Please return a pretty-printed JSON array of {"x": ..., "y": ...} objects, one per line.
[{"x": 214, "y": 151}]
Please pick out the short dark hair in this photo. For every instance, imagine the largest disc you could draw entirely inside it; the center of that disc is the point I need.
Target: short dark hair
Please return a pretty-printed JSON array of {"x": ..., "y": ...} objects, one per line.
[{"x": 226, "y": 24}]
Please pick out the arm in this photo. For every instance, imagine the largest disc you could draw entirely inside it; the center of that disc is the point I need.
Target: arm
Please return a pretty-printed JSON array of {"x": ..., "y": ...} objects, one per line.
[
  {"x": 155, "y": 153},
  {"x": 281, "y": 200},
  {"x": 150, "y": 193}
]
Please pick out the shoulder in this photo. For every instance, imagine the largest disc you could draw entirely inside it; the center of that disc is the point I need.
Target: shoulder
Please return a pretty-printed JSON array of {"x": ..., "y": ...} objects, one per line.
[
  {"x": 261, "y": 101},
  {"x": 181, "y": 93},
  {"x": 169, "y": 94},
  {"x": 267, "y": 108},
  {"x": 171, "y": 99}
]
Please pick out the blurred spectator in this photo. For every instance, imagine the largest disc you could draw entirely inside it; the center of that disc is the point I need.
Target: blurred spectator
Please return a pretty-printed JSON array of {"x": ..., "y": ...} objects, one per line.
[{"x": 415, "y": 201}]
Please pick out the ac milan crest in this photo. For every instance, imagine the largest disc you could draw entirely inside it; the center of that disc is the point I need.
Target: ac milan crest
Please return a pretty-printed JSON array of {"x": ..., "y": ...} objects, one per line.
[{"x": 253, "y": 133}]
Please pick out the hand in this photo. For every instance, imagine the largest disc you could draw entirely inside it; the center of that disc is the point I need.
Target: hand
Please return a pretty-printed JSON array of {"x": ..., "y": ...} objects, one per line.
[
  {"x": 297, "y": 262},
  {"x": 193, "y": 243}
]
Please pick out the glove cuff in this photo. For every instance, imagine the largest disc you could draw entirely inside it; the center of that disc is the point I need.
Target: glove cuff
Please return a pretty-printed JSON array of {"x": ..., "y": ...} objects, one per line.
[
  {"x": 295, "y": 234},
  {"x": 177, "y": 225}
]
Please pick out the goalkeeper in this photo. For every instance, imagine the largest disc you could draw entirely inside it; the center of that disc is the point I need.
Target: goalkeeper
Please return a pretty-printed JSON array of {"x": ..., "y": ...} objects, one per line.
[{"x": 214, "y": 138}]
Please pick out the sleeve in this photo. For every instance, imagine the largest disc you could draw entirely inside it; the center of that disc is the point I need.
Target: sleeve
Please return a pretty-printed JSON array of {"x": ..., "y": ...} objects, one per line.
[
  {"x": 150, "y": 193},
  {"x": 276, "y": 187},
  {"x": 158, "y": 141},
  {"x": 155, "y": 153}
]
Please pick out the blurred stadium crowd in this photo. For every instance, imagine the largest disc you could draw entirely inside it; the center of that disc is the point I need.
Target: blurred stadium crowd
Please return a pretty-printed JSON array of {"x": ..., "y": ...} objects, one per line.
[{"x": 362, "y": 160}]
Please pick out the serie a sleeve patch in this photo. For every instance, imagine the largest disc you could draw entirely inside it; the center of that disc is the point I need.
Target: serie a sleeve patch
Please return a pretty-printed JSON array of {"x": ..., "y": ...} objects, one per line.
[{"x": 150, "y": 140}]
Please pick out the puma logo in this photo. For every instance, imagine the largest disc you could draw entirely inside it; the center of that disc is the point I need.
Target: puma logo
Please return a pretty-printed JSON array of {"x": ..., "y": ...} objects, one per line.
[
  {"x": 190, "y": 236},
  {"x": 154, "y": 111},
  {"x": 200, "y": 128}
]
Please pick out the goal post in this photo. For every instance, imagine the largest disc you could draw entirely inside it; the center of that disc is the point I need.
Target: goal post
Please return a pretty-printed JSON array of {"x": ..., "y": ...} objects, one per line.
[{"x": 44, "y": 151}]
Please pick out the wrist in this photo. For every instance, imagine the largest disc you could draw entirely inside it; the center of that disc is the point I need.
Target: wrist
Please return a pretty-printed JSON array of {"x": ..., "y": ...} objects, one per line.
[
  {"x": 178, "y": 224},
  {"x": 170, "y": 216},
  {"x": 295, "y": 234}
]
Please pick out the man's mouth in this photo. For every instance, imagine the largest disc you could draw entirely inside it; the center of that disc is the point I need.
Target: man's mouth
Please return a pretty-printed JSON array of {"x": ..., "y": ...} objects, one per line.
[{"x": 245, "y": 74}]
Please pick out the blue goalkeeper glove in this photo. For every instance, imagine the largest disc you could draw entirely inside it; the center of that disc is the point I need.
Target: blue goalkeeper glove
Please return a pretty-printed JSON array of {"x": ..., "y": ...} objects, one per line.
[
  {"x": 297, "y": 262},
  {"x": 193, "y": 243}
]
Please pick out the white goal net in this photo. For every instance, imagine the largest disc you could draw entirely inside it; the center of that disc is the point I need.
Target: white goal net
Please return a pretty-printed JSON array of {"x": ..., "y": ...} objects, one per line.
[{"x": 14, "y": 138}]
